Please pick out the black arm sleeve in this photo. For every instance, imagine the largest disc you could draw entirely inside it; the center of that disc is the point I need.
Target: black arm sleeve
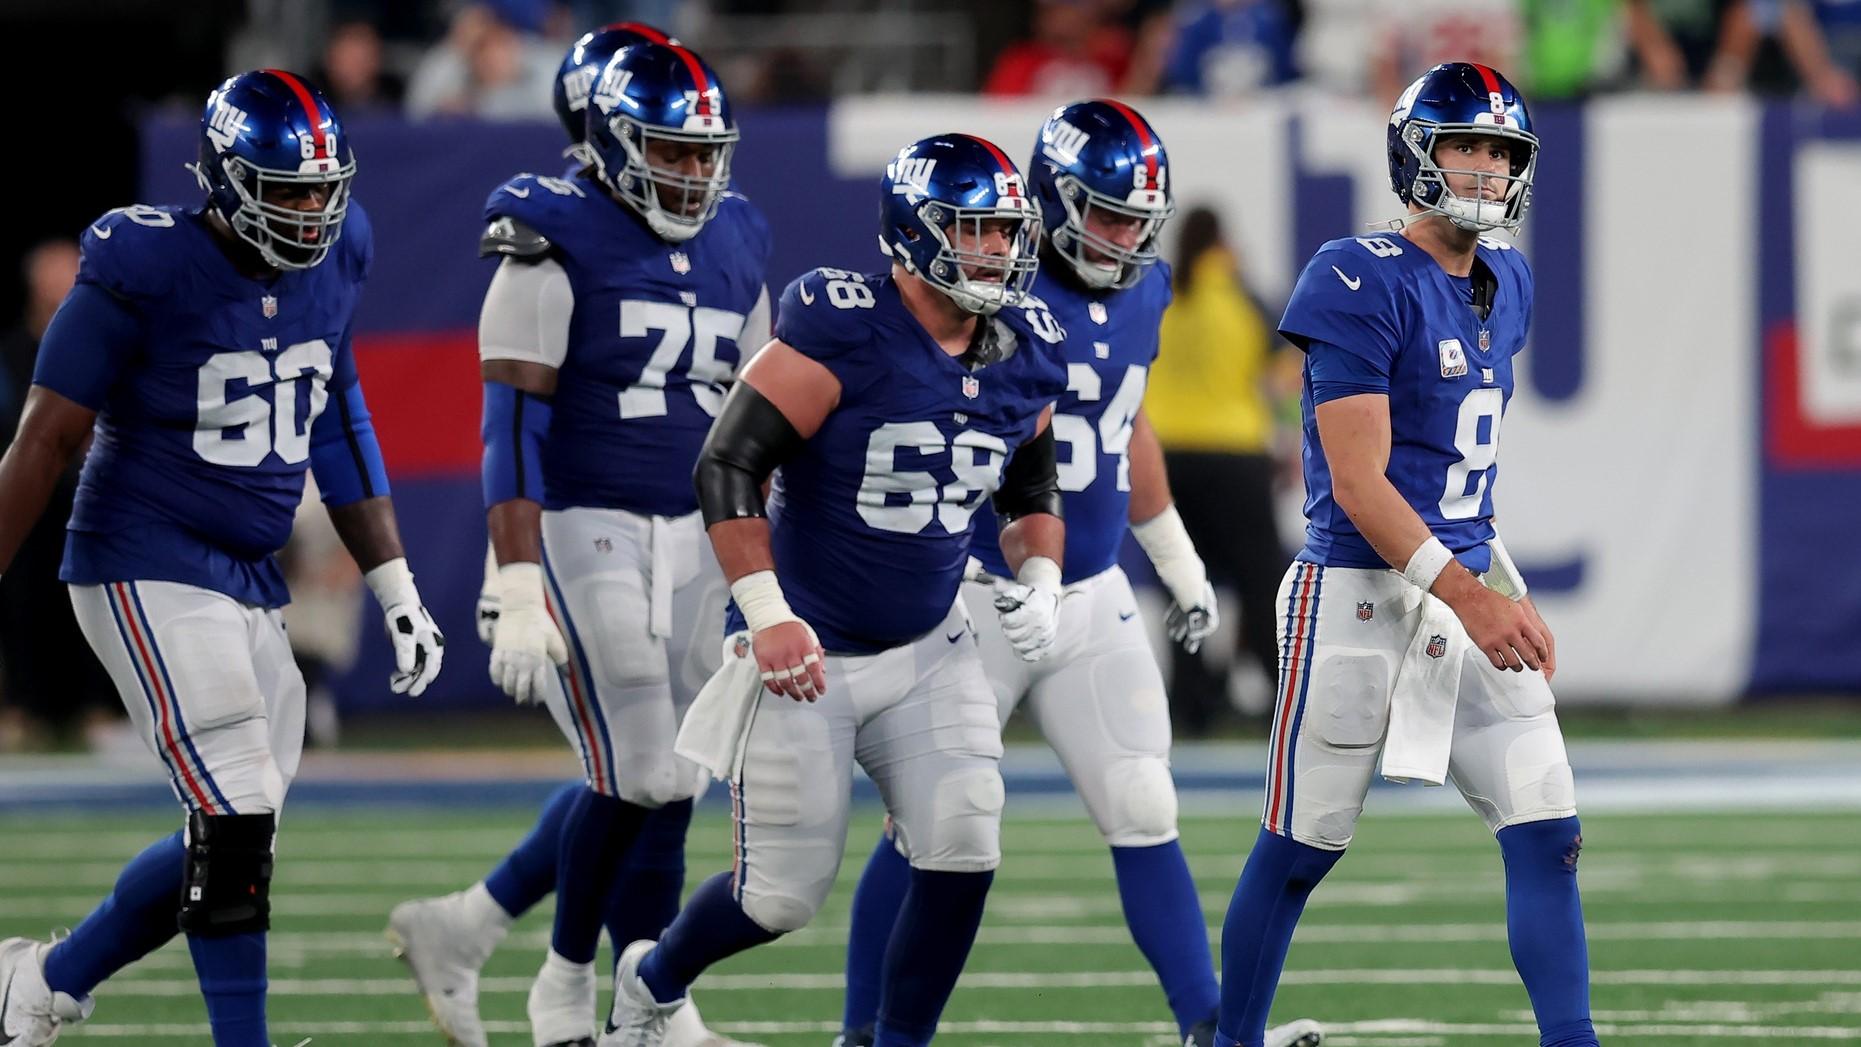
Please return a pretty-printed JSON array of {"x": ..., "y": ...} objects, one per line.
[
  {"x": 750, "y": 438},
  {"x": 1031, "y": 483}
]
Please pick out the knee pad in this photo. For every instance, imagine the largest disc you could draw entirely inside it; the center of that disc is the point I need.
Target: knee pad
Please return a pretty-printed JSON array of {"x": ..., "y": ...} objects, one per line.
[
  {"x": 778, "y": 913},
  {"x": 226, "y": 888},
  {"x": 1139, "y": 802},
  {"x": 966, "y": 833}
]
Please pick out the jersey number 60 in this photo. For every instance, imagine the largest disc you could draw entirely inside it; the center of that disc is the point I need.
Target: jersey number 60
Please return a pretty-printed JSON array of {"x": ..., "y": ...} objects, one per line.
[{"x": 242, "y": 429}]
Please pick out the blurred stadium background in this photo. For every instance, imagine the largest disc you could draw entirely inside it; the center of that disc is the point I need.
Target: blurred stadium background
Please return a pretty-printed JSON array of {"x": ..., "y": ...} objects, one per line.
[{"x": 1682, "y": 484}]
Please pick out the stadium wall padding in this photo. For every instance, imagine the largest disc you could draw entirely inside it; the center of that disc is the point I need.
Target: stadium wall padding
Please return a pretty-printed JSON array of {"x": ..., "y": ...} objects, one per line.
[{"x": 1681, "y": 466}]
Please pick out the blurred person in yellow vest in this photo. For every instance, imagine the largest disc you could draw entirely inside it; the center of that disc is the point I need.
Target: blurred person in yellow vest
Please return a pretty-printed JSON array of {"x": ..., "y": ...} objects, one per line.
[{"x": 1211, "y": 398}]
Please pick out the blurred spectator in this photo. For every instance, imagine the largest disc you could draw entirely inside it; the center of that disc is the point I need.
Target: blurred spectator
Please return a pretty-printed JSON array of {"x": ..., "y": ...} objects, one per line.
[
  {"x": 1798, "y": 26},
  {"x": 1226, "y": 48},
  {"x": 491, "y": 64},
  {"x": 1209, "y": 402},
  {"x": 48, "y": 676},
  {"x": 1074, "y": 50},
  {"x": 351, "y": 73},
  {"x": 1409, "y": 38},
  {"x": 1332, "y": 41},
  {"x": 1572, "y": 47},
  {"x": 324, "y": 616}
]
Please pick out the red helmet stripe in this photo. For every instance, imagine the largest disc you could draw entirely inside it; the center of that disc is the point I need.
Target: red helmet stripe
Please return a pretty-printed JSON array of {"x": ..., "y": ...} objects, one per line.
[
  {"x": 1491, "y": 78},
  {"x": 639, "y": 29},
  {"x": 1143, "y": 135},
  {"x": 310, "y": 107},
  {"x": 1001, "y": 158},
  {"x": 696, "y": 69}
]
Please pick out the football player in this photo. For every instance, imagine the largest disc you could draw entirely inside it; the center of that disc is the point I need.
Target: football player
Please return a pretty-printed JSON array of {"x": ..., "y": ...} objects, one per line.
[
  {"x": 1407, "y": 635},
  {"x": 207, "y": 354},
  {"x": 608, "y": 338},
  {"x": 1101, "y": 176},
  {"x": 893, "y": 405},
  {"x": 446, "y": 940}
]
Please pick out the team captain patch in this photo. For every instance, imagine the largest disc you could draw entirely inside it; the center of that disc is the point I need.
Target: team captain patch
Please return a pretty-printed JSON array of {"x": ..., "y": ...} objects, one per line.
[{"x": 1453, "y": 358}]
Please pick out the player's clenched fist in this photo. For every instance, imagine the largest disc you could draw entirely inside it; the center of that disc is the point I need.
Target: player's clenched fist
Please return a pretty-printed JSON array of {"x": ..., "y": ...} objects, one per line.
[
  {"x": 789, "y": 658},
  {"x": 526, "y": 646},
  {"x": 1030, "y": 608}
]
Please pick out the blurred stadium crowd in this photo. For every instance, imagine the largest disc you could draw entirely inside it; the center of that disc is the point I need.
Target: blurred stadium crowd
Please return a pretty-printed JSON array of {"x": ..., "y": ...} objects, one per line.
[{"x": 494, "y": 59}]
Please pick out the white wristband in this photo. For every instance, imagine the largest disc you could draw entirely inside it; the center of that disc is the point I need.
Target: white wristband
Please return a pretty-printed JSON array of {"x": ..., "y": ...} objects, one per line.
[
  {"x": 520, "y": 586},
  {"x": 1172, "y": 554},
  {"x": 392, "y": 583},
  {"x": 759, "y": 597},
  {"x": 1039, "y": 572},
  {"x": 1426, "y": 564},
  {"x": 1504, "y": 577}
]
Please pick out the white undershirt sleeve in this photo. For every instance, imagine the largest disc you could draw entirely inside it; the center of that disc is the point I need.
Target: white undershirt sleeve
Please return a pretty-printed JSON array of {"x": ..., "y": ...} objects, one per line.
[
  {"x": 526, "y": 313},
  {"x": 756, "y": 328}
]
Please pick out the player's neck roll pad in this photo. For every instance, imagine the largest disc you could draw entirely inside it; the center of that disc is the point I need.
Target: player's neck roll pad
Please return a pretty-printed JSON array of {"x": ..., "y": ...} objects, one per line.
[{"x": 227, "y": 886}]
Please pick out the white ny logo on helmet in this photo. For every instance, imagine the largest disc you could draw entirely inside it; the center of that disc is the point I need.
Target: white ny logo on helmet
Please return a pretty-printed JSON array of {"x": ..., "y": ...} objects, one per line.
[
  {"x": 911, "y": 176},
  {"x": 1062, "y": 142},
  {"x": 612, "y": 88},
  {"x": 225, "y": 126}
]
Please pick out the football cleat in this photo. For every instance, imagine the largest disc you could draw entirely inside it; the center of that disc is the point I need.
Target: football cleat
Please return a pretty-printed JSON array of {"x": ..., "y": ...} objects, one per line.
[
  {"x": 686, "y": 1029},
  {"x": 1301, "y": 1033},
  {"x": 445, "y": 949},
  {"x": 860, "y": 1037},
  {"x": 31, "y": 1014},
  {"x": 562, "y": 1004},
  {"x": 636, "y": 1019}
]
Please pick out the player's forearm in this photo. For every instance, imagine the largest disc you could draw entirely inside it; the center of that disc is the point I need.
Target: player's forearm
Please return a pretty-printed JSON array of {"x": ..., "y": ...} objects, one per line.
[
  {"x": 516, "y": 527},
  {"x": 742, "y": 546},
  {"x": 1150, "y": 480},
  {"x": 28, "y": 474},
  {"x": 1036, "y": 534},
  {"x": 1396, "y": 531},
  {"x": 368, "y": 530}
]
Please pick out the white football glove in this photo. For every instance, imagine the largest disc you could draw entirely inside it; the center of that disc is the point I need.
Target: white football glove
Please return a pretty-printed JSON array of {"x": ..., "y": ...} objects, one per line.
[
  {"x": 419, "y": 647},
  {"x": 526, "y": 646},
  {"x": 1029, "y": 607},
  {"x": 1193, "y": 616},
  {"x": 489, "y": 605}
]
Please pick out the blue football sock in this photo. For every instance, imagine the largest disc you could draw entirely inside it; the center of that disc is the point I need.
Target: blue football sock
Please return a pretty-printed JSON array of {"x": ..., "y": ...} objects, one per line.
[
  {"x": 936, "y": 926},
  {"x": 711, "y": 927},
  {"x": 1544, "y": 922},
  {"x": 876, "y": 901},
  {"x": 528, "y": 873},
  {"x": 596, "y": 836},
  {"x": 645, "y": 895},
  {"x": 1279, "y": 877},
  {"x": 231, "y": 969},
  {"x": 137, "y": 918},
  {"x": 1165, "y": 916}
]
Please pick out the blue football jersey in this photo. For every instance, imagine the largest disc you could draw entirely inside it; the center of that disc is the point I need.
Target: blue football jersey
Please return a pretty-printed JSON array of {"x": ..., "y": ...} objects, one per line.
[
  {"x": 1390, "y": 304},
  {"x": 652, "y": 342},
  {"x": 204, "y": 430},
  {"x": 871, "y": 519},
  {"x": 1111, "y": 341}
]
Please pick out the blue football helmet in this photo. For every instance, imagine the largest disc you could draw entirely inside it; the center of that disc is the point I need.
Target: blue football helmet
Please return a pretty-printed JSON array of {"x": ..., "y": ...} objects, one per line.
[
  {"x": 1100, "y": 156},
  {"x": 662, "y": 98},
  {"x": 937, "y": 201},
  {"x": 1457, "y": 98},
  {"x": 266, "y": 132},
  {"x": 576, "y": 76}
]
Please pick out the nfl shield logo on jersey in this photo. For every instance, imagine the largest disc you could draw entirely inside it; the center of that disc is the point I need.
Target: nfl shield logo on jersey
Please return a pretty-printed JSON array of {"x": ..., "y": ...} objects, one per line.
[
  {"x": 1453, "y": 358},
  {"x": 1096, "y": 310},
  {"x": 1486, "y": 339},
  {"x": 972, "y": 388},
  {"x": 681, "y": 263},
  {"x": 1366, "y": 611},
  {"x": 269, "y": 306},
  {"x": 1437, "y": 645}
]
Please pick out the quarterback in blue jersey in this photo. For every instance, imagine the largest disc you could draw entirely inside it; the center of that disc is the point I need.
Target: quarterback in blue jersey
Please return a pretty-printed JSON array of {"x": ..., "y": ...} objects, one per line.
[
  {"x": 207, "y": 354},
  {"x": 1409, "y": 647},
  {"x": 1101, "y": 175},
  {"x": 579, "y": 268},
  {"x": 894, "y": 405}
]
